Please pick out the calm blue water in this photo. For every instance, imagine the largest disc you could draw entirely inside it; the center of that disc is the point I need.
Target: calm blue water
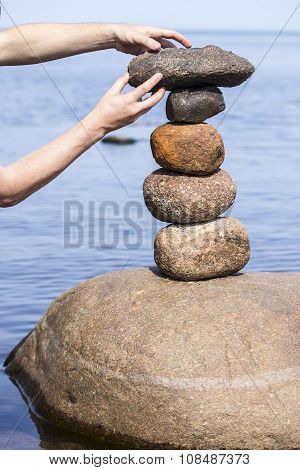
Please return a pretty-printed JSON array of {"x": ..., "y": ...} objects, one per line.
[{"x": 262, "y": 139}]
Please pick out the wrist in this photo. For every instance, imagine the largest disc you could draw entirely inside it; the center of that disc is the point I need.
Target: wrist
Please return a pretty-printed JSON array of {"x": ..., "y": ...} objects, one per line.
[
  {"x": 94, "y": 129},
  {"x": 109, "y": 35}
]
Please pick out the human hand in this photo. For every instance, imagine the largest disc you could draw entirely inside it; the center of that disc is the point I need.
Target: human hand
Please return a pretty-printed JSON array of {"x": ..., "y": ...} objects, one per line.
[
  {"x": 116, "y": 110},
  {"x": 135, "y": 39}
]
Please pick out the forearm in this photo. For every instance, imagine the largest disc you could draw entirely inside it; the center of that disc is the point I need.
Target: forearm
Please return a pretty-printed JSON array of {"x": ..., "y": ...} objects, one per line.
[
  {"x": 114, "y": 110},
  {"x": 33, "y": 43},
  {"x": 35, "y": 170}
]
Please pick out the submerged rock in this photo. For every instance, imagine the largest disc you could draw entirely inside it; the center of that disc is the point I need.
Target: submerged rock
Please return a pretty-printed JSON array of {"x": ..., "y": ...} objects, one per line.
[
  {"x": 188, "y": 148},
  {"x": 157, "y": 363},
  {"x": 202, "y": 251},
  {"x": 183, "y": 199},
  {"x": 185, "y": 68},
  {"x": 194, "y": 105},
  {"x": 118, "y": 140}
]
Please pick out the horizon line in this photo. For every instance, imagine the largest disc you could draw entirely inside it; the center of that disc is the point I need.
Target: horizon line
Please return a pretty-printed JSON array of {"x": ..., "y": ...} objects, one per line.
[
  {"x": 192, "y": 30},
  {"x": 239, "y": 31}
]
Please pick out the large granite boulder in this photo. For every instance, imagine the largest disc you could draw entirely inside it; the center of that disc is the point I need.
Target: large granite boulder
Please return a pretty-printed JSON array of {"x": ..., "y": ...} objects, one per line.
[
  {"x": 161, "y": 363},
  {"x": 185, "y": 68}
]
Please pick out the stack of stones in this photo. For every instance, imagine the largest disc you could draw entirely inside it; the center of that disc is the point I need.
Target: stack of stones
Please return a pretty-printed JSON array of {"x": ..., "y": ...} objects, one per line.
[{"x": 190, "y": 191}]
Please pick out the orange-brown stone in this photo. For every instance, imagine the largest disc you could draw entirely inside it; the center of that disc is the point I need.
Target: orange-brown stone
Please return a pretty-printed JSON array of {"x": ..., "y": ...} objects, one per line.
[{"x": 195, "y": 149}]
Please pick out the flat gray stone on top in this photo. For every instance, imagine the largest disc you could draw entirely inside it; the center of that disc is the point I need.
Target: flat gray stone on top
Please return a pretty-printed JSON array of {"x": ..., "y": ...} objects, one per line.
[{"x": 194, "y": 67}]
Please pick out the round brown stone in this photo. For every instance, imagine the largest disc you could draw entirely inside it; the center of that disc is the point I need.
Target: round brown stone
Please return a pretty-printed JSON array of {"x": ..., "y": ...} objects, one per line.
[
  {"x": 184, "y": 199},
  {"x": 188, "y": 148},
  {"x": 202, "y": 251}
]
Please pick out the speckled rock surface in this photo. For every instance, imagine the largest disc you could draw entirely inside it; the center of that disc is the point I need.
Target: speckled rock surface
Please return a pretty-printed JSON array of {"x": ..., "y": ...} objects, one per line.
[
  {"x": 202, "y": 251},
  {"x": 184, "y": 199},
  {"x": 194, "y": 105},
  {"x": 158, "y": 363},
  {"x": 188, "y": 148},
  {"x": 185, "y": 68}
]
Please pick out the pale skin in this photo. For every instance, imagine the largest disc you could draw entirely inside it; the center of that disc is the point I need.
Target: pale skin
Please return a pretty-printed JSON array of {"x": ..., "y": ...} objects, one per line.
[{"x": 31, "y": 44}]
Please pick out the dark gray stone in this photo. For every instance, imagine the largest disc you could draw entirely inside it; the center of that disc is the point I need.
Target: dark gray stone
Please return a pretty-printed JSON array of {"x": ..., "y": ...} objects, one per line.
[
  {"x": 118, "y": 140},
  {"x": 185, "y": 68},
  {"x": 194, "y": 105}
]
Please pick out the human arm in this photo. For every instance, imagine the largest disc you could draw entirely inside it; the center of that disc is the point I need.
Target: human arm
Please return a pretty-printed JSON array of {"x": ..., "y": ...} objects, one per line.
[
  {"x": 35, "y": 43},
  {"x": 114, "y": 110}
]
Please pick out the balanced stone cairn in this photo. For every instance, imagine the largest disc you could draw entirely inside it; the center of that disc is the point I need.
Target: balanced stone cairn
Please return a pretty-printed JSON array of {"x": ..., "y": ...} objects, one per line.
[
  {"x": 218, "y": 370},
  {"x": 191, "y": 191}
]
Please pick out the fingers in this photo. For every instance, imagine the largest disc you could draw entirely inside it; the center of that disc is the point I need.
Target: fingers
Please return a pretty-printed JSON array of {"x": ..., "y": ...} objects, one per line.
[
  {"x": 147, "y": 86},
  {"x": 171, "y": 34},
  {"x": 148, "y": 42},
  {"x": 119, "y": 84},
  {"x": 155, "y": 98},
  {"x": 166, "y": 44}
]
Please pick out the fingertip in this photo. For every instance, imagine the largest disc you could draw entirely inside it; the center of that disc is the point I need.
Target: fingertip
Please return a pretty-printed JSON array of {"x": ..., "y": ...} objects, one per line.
[
  {"x": 158, "y": 76},
  {"x": 154, "y": 45},
  {"x": 187, "y": 43},
  {"x": 158, "y": 94},
  {"x": 119, "y": 84},
  {"x": 125, "y": 79},
  {"x": 183, "y": 40}
]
